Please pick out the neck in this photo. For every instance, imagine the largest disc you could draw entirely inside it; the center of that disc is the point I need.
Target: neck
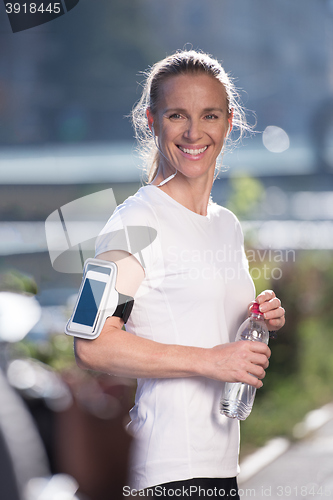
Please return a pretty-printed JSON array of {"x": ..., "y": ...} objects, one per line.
[{"x": 191, "y": 193}]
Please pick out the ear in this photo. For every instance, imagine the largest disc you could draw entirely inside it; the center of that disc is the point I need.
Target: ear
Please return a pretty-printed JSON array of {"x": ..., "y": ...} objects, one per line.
[
  {"x": 230, "y": 121},
  {"x": 150, "y": 119}
]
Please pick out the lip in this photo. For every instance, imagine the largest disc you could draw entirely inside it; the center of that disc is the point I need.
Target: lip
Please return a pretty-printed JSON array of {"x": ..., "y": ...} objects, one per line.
[{"x": 185, "y": 151}]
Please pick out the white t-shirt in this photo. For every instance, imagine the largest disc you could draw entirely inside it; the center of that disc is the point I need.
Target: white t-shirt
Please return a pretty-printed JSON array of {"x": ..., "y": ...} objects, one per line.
[{"x": 196, "y": 292}]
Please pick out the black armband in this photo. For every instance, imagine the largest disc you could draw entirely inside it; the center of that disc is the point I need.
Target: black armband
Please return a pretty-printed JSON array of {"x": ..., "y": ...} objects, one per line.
[{"x": 124, "y": 307}]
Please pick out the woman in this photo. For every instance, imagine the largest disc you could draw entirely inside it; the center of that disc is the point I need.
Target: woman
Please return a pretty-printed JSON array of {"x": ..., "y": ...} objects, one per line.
[{"x": 191, "y": 287}]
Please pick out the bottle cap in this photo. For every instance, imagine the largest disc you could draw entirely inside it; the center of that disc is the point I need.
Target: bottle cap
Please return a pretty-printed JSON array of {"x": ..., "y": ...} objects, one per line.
[{"x": 255, "y": 308}]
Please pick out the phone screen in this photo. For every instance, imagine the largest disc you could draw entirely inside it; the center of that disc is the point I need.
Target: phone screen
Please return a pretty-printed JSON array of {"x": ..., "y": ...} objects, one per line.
[{"x": 89, "y": 302}]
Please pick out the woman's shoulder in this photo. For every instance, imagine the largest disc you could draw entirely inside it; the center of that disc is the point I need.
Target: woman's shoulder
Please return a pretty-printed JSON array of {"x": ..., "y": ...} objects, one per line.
[
  {"x": 134, "y": 220},
  {"x": 135, "y": 208},
  {"x": 223, "y": 214},
  {"x": 227, "y": 222}
]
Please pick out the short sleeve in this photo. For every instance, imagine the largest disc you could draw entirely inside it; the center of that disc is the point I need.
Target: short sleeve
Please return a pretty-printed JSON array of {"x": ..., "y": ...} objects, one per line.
[{"x": 133, "y": 229}]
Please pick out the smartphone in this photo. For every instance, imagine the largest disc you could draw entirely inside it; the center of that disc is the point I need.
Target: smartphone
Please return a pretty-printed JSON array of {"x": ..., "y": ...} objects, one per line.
[{"x": 97, "y": 298}]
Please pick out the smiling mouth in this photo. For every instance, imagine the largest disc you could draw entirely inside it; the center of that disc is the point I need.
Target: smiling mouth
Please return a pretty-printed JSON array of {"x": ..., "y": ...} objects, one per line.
[{"x": 193, "y": 152}]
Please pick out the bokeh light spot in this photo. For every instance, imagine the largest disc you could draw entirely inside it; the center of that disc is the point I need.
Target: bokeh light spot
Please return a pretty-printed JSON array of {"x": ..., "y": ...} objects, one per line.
[{"x": 275, "y": 139}]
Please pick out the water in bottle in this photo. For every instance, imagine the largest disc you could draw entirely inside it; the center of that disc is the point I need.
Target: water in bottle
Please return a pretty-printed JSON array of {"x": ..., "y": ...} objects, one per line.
[{"x": 237, "y": 398}]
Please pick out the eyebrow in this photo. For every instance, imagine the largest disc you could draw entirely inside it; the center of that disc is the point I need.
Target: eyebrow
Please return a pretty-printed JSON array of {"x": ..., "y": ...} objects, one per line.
[
  {"x": 210, "y": 110},
  {"x": 181, "y": 110}
]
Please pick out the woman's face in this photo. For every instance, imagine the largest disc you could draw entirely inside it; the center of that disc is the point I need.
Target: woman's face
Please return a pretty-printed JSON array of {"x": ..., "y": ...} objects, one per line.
[{"x": 191, "y": 123}]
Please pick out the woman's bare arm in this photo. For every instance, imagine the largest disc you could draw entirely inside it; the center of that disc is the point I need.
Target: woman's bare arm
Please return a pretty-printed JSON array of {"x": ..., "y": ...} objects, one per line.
[{"x": 121, "y": 353}]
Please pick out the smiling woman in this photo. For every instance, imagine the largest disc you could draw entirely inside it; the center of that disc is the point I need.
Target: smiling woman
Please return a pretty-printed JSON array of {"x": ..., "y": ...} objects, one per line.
[
  {"x": 183, "y": 63},
  {"x": 190, "y": 293}
]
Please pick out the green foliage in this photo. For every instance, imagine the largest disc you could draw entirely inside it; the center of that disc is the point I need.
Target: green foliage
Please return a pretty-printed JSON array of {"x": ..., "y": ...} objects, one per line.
[
  {"x": 14, "y": 281},
  {"x": 299, "y": 378},
  {"x": 245, "y": 195},
  {"x": 57, "y": 351}
]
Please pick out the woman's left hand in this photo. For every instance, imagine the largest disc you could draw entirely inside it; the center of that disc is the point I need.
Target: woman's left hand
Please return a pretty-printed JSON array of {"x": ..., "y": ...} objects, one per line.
[{"x": 271, "y": 308}]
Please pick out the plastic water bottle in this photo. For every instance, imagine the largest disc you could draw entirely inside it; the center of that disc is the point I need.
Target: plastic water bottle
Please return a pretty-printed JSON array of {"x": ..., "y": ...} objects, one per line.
[{"x": 237, "y": 398}]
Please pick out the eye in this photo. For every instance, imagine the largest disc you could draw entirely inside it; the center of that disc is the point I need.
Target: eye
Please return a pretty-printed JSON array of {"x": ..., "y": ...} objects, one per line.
[
  {"x": 211, "y": 117},
  {"x": 175, "y": 116}
]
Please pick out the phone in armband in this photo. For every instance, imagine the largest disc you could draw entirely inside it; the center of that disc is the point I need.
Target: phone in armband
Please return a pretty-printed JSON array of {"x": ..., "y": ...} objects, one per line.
[{"x": 97, "y": 300}]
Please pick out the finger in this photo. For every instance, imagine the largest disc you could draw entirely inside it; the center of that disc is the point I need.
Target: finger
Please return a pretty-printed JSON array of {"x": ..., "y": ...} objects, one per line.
[
  {"x": 274, "y": 313},
  {"x": 264, "y": 296},
  {"x": 256, "y": 365},
  {"x": 257, "y": 370},
  {"x": 260, "y": 360},
  {"x": 251, "y": 306},
  {"x": 259, "y": 348},
  {"x": 274, "y": 303},
  {"x": 252, "y": 380}
]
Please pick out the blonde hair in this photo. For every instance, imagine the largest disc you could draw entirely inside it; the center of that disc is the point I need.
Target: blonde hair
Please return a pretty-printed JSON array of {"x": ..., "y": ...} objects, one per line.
[{"x": 182, "y": 62}]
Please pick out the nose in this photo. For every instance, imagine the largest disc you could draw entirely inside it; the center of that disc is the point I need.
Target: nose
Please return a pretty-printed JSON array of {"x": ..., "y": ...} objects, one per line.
[{"x": 193, "y": 130}]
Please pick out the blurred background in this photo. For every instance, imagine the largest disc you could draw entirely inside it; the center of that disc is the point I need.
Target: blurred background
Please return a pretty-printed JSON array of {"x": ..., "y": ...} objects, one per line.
[{"x": 66, "y": 89}]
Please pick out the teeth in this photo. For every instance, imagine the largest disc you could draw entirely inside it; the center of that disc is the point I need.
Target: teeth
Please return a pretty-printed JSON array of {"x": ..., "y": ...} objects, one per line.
[{"x": 193, "y": 151}]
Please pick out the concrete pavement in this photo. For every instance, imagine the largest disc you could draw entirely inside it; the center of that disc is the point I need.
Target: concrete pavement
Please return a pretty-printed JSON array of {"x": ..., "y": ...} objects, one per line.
[{"x": 301, "y": 470}]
